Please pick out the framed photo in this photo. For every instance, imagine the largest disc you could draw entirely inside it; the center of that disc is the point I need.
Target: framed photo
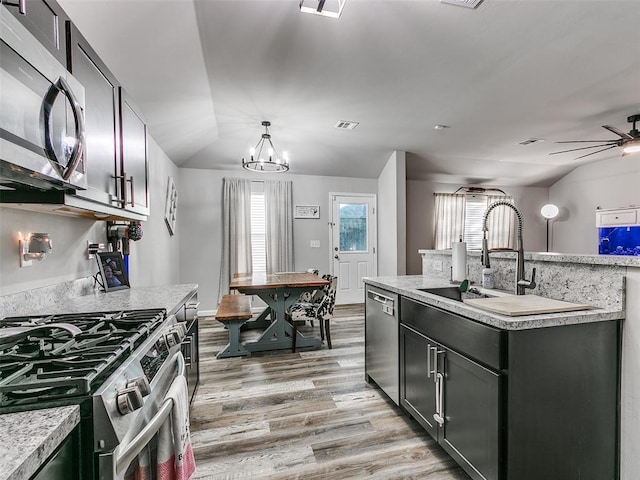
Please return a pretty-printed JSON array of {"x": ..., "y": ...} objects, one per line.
[
  {"x": 112, "y": 271},
  {"x": 307, "y": 211},
  {"x": 171, "y": 206}
]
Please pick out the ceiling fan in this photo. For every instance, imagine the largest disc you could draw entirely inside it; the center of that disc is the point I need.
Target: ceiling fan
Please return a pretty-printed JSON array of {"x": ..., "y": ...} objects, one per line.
[{"x": 629, "y": 141}]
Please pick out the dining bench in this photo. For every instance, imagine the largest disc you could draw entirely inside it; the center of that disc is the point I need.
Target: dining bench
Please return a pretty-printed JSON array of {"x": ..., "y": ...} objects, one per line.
[{"x": 234, "y": 311}]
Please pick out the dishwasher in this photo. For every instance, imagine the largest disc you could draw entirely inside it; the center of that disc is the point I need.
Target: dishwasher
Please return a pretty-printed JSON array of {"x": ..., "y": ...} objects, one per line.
[{"x": 382, "y": 330}]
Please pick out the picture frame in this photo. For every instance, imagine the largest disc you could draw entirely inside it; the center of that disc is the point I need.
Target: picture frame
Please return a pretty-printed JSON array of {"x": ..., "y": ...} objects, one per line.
[
  {"x": 112, "y": 270},
  {"x": 307, "y": 211},
  {"x": 171, "y": 206}
]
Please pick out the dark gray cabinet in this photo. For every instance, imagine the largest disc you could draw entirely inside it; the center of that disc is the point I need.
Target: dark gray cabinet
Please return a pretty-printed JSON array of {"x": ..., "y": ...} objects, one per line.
[
  {"x": 514, "y": 404},
  {"x": 133, "y": 172},
  {"x": 46, "y": 20},
  {"x": 116, "y": 135},
  {"x": 101, "y": 120},
  {"x": 188, "y": 313},
  {"x": 455, "y": 399}
]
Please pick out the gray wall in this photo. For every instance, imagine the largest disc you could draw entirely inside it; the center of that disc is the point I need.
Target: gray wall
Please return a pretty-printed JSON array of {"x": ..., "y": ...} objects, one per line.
[
  {"x": 420, "y": 217},
  {"x": 611, "y": 183},
  {"x": 199, "y": 217},
  {"x": 153, "y": 260}
]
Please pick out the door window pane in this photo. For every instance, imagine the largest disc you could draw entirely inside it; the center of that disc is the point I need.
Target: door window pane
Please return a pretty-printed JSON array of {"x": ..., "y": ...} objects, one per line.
[{"x": 353, "y": 227}]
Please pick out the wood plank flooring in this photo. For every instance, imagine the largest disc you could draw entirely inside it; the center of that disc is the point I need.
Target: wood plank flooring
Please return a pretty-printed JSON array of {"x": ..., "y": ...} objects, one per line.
[{"x": 305, "y": 415}]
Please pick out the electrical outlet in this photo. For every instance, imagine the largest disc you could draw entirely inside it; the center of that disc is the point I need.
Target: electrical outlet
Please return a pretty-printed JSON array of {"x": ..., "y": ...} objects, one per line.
[
  {"x": 314, "y": 244},
  {"x": 437, "y": 265}
]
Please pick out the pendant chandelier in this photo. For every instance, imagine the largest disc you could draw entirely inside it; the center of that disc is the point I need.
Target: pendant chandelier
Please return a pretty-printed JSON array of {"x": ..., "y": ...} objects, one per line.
[{"x": 272, "y": 163}]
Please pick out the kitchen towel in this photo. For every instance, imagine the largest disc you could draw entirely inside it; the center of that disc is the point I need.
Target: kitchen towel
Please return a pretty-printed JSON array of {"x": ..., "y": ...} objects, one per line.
[
  {"x": 175, "y": 454},
  {"x": 459, "y": 261}
]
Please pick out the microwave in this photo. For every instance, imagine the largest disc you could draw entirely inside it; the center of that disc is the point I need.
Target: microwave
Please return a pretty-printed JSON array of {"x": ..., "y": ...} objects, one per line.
[{"x": 42, "y": 135}]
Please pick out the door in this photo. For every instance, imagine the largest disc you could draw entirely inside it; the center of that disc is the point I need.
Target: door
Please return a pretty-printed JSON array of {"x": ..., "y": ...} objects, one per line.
[
  {"x": 353, "y": 243},
  {"x": 471, "y": 433},
  {"x": 417, "y": 378}
]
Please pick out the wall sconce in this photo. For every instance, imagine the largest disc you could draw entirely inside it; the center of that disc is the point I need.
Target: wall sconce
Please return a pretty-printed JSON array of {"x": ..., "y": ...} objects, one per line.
[
  {"x": 549, "y": 212},
  {"x": 35, "y": 246}
]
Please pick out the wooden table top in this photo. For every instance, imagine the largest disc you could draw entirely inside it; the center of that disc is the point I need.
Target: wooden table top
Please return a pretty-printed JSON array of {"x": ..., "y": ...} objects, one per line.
[{"x": 257, "y": 281}]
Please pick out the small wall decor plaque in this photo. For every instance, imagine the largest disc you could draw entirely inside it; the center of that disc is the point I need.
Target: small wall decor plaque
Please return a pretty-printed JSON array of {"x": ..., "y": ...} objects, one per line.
[
  {"x": 307, "y": 211},
  {"x": 171, "y": 206}
]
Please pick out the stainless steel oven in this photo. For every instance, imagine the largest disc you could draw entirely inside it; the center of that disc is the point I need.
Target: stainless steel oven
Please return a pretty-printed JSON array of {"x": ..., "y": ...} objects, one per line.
[
  {"x": 117, "y": 366},
  {"x": 41, "y": 114}
]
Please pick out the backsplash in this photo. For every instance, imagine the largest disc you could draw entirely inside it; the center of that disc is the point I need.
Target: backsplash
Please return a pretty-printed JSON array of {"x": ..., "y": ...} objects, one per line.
[{"x": 596, "y": 280}]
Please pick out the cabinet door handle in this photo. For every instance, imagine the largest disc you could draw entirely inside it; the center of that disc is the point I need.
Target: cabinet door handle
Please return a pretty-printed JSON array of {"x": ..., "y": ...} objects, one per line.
[
  {"x": 133, "y": 201},
  {"x": 432, "y": 365},
  {"x": 439, "y": 415},
  {"x": 188, "y": 342}
]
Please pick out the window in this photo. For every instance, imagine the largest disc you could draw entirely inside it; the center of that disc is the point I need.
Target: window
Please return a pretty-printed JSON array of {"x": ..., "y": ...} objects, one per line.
[
  {"x": 462, "y": 215},
  {"x": 258, "y": 229}
]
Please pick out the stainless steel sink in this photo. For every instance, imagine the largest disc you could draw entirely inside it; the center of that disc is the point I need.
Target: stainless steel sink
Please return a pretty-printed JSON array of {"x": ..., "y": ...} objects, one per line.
[{"x": 454, "y": 293}]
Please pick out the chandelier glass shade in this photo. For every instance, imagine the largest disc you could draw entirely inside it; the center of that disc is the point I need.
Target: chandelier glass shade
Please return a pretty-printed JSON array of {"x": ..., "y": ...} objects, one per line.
[{"x": 264, "y": 157}]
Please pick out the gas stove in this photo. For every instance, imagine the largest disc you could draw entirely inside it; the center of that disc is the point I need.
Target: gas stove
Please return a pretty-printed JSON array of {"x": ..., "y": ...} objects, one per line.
[
  {"x": 117, "y": 366},
  {"x": 68, "y": 356}
]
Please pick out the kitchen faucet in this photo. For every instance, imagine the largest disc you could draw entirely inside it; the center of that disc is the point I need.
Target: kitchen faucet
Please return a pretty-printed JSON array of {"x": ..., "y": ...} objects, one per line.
[{"x": 521, "y": 282}]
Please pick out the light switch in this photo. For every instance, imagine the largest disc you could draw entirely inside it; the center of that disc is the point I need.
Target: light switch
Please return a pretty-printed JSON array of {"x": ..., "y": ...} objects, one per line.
[{"x": 315, "y": 244}]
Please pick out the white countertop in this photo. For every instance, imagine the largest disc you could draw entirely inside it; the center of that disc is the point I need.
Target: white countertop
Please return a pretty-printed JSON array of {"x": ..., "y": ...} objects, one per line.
[
  {"x": 28, "y": 439},
  {"x": 408, "y": 286}
]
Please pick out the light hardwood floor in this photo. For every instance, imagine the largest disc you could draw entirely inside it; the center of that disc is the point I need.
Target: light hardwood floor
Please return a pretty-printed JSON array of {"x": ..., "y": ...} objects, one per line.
[{"x": 305, "y": 415}]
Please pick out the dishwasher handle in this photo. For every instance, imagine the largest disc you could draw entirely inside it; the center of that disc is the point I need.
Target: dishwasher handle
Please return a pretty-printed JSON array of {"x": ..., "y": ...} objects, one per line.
[{"x": 387, "y": 302}]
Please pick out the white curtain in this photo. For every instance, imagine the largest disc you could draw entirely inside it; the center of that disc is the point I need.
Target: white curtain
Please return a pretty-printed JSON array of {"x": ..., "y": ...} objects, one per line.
[
  {"x": 451, "y": 212},
  {"x": 502, "y": 224},
  {"x": 236, "y": 231},
  {"x": 279, "y": 225},
  {"x": 448, "y": 222}
]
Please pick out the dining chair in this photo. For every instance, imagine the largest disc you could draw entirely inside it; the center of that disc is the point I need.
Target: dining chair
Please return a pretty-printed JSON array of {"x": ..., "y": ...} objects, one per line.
[{"x": 319, "y": 308}]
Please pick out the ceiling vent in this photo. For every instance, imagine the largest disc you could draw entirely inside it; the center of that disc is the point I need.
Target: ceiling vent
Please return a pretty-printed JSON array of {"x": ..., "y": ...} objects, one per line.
[
  {"x": 530, "y": 141},
  {"x": 463, "y": 3},
  {"x": 345, "y": 125}
]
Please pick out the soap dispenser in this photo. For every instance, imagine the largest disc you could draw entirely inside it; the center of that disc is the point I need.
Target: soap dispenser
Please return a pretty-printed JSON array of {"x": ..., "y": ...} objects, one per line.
[{"x": 487, "y": 275}]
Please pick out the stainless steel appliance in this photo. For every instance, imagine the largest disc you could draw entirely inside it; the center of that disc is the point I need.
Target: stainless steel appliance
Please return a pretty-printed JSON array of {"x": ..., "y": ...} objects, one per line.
[
  {"x": 118, "y": 366},
  {"x": 41, "y": 114},
  {"x": 382, "y": 327}
]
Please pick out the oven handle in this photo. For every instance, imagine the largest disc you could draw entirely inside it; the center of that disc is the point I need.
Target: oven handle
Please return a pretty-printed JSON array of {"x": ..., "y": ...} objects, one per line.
[{"x": 131, "y": 451}]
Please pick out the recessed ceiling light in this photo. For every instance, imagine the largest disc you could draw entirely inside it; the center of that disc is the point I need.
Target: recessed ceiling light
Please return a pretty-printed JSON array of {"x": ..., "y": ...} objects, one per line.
[
  {"x": 463, "y": 3},
  {"x": 529, "y": 141}
]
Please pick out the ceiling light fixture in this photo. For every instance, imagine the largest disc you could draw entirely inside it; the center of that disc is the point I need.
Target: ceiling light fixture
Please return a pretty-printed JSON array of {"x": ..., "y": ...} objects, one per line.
[
  {"x": 326, "y": 8},
  {"x": 274, "y": 163},
  {"x": 631, "y": 147}
]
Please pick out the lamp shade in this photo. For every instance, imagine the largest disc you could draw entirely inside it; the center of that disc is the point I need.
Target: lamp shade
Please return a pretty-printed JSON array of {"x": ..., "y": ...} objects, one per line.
[{"x": 549, "y": 211}]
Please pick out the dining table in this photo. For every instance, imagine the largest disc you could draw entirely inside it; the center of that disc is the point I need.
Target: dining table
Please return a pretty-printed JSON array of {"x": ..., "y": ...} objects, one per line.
[{"x": 279, "y": 291}]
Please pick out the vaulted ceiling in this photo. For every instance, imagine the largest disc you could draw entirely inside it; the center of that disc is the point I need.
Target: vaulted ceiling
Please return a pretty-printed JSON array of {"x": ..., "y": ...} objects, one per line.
[{"x": 205, "y": 73}]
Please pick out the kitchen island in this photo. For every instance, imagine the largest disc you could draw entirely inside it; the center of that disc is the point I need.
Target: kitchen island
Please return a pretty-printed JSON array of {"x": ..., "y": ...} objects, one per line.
[
  {"x": 29, "y": 438},
  {"x": 526, "y": 397}
]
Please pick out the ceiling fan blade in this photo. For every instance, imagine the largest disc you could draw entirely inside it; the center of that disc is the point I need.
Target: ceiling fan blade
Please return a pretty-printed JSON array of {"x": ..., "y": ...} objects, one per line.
[
  {"x": 617, "y": 131},
  {"x": 587, "y": 141},
  {"x": 584, "y": 148},
  {"x": 593, "y": 153}
]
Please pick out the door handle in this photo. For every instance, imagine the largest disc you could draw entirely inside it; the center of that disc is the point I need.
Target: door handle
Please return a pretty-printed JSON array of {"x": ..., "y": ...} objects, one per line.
[{"x": 439, "y": 415}]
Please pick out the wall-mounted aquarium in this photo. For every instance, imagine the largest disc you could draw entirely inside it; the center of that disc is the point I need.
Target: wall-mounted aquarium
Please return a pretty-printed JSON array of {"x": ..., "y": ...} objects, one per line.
[{"x": 619, "y": 241}]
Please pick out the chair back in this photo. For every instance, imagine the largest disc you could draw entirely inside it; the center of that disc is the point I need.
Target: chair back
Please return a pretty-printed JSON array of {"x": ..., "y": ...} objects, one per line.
[{"x": 329, "y": 297}]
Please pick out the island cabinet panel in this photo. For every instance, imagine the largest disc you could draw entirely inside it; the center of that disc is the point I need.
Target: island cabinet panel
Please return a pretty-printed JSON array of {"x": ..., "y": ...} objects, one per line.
[
  {"x": 514, "y": 404},
  {"x": 563, "y": 397}
]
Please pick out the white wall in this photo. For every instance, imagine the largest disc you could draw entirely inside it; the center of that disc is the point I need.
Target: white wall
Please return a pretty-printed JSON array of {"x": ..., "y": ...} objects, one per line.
[
  {"x": 609, "y": 183},
  {"x": 529, "y": 200},
  {"x": 392, "y": 216},
  {"x": 199, "y": 217},
  {"x": 153, "y": 260}
]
